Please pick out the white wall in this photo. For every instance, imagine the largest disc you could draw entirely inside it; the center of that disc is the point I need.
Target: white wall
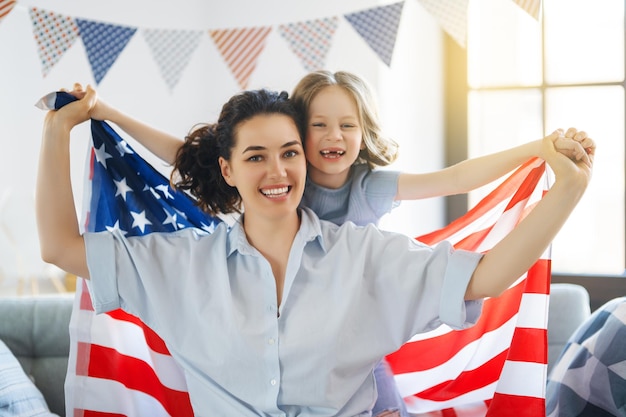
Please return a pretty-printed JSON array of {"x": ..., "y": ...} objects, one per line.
[{"x": 410, "y": 92}]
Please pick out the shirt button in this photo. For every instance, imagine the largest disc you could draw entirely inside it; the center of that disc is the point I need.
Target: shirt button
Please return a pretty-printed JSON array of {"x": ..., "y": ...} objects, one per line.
[
  {"x": 273, "y": 382},
  {"x": 271, "y": 341}
]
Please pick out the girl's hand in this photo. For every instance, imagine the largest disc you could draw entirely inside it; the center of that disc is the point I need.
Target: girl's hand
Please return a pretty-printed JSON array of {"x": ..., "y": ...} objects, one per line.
[
  {"x": 575, "y": 145},
  {"x": 577, "y": 169}
]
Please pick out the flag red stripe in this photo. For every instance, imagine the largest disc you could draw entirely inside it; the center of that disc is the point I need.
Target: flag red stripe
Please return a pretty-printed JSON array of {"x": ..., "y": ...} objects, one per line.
[
  {"x": 501, "y": 193},
  {"x": 538, "y": 277},
  {"x": 467, "y": 381},
  {"x": 524, "y": 346},
  {"x": 506, "y": 405},
  {"x": 429, "y": 353},
  {"x": 136, "y": 374},
  {"x": 91, "y": 413},
  {"x": 155, "y": 343}
]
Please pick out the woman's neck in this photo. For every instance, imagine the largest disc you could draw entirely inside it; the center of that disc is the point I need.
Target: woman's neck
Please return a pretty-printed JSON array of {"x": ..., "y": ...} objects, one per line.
[{"x": 273, "y": 239}]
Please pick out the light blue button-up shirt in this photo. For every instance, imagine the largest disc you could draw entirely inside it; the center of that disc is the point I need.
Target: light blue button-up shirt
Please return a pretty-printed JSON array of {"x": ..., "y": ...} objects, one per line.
[{"x": 351, "y": 295}]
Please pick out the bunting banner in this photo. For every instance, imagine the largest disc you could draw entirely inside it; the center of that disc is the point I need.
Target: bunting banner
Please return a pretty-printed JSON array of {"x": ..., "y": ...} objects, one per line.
[
  {"x": 532, "y": 7},
  {"x": 55, "y": 34},
  {"x": 451, "y": 15},
  {"x": 5, "y": 8},
  {"x": 241, "y": 49},
  {"x": 104, "y": 43},
  {"x": 497, "y": 368},
  {"x": 172, "y": 50},
  {"x": 372, "y": 23},
  {"x": 310, "y": 40}
]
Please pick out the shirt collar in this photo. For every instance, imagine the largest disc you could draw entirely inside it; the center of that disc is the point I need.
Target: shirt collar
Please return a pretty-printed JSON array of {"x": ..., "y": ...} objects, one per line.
[{"x": 310, "y": 229}]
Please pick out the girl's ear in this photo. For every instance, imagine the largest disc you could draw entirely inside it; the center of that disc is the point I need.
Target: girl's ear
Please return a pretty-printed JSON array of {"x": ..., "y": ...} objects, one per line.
[
  {"x": 363, "y": 147},
  {"x": 225, "y": 169}
]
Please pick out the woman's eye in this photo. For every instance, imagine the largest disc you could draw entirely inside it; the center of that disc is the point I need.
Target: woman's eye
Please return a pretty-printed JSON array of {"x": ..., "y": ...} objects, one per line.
[
  {"x": 317, "y": 124},
  {"x": 291, "y": 154},
  {"x": 255, "y": 158}
]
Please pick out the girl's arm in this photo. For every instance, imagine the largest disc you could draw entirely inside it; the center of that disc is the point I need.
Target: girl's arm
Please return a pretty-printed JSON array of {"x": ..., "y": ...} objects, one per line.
[
  {"x": 516, "y": 252},
  {"x": 57, "y": 221},
  {"x": 473, "y": 173},
  {"x": 160, "y": 143}
]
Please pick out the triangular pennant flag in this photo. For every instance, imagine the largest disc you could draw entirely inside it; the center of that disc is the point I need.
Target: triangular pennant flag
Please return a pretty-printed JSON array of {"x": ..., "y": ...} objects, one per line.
[
  {"x": 310, "y": 40},
  {"x": 104, "y": 43},
  {"x": 451, "y": 15},
  {"x": 241, "y": 49},
  {"x": 54, "y": 34},
  {"x": 5, "y": 7},
  {"x": 172, "y": 50},
  {"x": 532, "y": 7},
  {"x": 379, "y": 27}
]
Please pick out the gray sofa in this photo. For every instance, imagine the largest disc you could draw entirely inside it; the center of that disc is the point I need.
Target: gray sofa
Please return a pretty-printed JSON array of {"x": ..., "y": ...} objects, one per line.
[{"x": 36, "y": 330}]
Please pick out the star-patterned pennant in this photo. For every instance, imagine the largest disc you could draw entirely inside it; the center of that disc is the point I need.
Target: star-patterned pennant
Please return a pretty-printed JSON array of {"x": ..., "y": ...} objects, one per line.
[
  {"x": 532, "y": 7},
  {"x": 104, "y": 43},
  {"x": 241, "y": 48},
  {"x": 378, "y": 26},
  {"x": 54, "y": 34},
  {"x": 5, "y": 8},
  {"x": 310, "y": 40},
  {"x": 451, "y": 15},
  {"x": 172, "y": 51}
]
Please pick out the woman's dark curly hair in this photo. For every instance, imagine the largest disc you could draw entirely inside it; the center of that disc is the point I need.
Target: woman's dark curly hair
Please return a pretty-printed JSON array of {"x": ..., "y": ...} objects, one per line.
[{"x": 196, "y": 168}]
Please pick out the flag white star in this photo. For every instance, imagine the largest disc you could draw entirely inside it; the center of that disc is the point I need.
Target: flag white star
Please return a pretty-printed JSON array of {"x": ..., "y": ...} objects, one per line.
[
  {"x": 123, "y": 148},
  {"x": 154, "y": 193},
  {"x": 101, "y": 155},
  {"x": 140, "y": 220},
  {"x": 122, "y": 188},
  {"x": 170, "y": 218},
  {"x": 165, "y": 190},
  {"x": 115, "y": 227}
]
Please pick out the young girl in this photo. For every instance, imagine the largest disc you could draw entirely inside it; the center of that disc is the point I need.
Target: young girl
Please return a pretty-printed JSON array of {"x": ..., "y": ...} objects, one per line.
[
  {"x": 343, "y": 146},
  {"x": 276, "y": 322}
]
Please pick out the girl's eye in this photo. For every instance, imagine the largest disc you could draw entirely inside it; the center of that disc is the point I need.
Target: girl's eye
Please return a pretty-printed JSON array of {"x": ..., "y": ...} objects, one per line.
[
  {"x": 317, "y": 124},
  {"x": 255, "y": 158},
  {"x": 291, "y": 154},
  {"x": 348, "y": 126}
]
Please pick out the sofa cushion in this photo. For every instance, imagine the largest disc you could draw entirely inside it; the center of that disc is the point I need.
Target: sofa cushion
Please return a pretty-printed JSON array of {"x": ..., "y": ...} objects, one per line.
[
  {"x": 36, "y": 330},
  {"x": 19, "y": 397}
]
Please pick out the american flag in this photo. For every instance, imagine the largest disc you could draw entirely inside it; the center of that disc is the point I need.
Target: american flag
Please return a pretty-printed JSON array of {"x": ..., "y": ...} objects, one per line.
[{"x": 119, "y": 367}]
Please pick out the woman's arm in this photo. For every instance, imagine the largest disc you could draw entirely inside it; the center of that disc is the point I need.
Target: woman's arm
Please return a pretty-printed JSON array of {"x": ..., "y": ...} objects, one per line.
[
  {"x": 59, "y": 235},
  {"x": 473, "y": 173},
  {"x": 516, "y": 252}
]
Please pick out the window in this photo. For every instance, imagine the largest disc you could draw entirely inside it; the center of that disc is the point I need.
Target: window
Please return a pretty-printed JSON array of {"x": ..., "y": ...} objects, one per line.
[{"x": 526, "y": 78}]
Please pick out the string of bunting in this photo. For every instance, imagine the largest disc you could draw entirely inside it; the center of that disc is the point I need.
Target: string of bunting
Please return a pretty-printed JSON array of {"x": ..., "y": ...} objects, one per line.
[{"x": 240, "y": 48}]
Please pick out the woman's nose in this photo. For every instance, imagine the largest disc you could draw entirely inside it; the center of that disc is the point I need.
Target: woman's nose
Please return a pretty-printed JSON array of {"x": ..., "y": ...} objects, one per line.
[{"x": 276, "y": 168}]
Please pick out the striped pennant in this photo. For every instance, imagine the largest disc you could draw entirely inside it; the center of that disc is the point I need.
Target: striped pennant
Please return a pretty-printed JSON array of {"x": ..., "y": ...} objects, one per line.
[
  {"x": 241, "y": 48},
  {"x": 54, "y": 34},
  {"x": 532, "y": 7},
  {"x": 104, "y": 43},
  {"x": 5, "y": 8},
  {"x": 310, "y": 40},
  {"x": 451, "y": 15},
  {"x": 378, "y": 26},
  {"x": 495, "y": 368},
  {"x": 172, "y": 51},
  {"x": 477, "y": 371}
]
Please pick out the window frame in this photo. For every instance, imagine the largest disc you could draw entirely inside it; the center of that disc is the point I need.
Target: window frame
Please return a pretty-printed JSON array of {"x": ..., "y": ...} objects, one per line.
[{"x": 601, "y": 288}]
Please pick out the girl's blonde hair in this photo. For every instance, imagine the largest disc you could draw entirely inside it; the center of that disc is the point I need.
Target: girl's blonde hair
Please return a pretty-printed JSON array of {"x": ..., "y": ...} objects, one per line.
[{"x": 379, "y": 150}]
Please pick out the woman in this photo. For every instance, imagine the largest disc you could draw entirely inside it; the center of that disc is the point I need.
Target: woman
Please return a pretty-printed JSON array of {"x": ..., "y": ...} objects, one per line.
[{"x": 284, "y": 314}]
